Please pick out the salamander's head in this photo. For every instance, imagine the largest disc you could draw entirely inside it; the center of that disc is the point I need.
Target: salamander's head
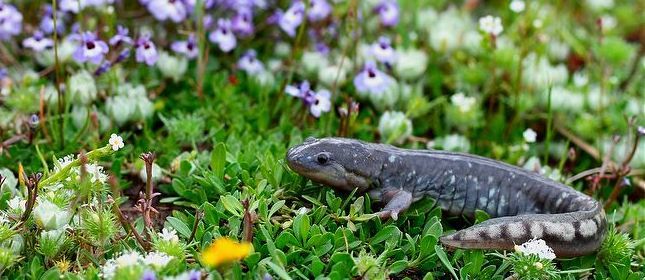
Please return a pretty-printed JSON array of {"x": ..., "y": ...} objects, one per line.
[{"x": 337, "y": 162}]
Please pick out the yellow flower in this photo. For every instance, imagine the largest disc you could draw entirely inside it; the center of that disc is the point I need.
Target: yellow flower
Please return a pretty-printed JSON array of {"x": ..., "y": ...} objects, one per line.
[{"x": 225, "y": 250}]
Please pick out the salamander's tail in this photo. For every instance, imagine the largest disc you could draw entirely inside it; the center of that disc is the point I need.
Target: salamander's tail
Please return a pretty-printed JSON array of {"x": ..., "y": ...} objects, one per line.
[{"x": 568, "y": 234}]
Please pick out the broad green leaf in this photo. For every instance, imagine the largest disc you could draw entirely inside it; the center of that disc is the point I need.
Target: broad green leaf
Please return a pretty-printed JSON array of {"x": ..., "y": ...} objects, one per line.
[
  {"x": 180, "y": 226},
  {"x": 218, "y": 160}
]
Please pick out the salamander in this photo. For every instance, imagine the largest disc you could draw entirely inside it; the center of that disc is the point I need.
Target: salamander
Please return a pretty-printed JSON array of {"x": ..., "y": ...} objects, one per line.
[{"x": 523, "y": 205}]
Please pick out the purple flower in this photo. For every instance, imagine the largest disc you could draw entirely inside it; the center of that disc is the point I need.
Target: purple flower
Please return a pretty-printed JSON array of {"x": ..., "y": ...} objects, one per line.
[
  {"x": 75, "y": 6},
  {"x": 38, "y": 42},
  {"x": 383, "y": 51},
  {"x": 174, "y": 10},
  {"x": 292, "y": 18},
  {"x": 121, "y": 36},
  {"x": 208, "y": 21},
  {"x": 223, "y": 36},
  {"x": 250, "y": 64},
  {"x": 188, "y": 48},
  {"x": 103, "y": 68},
  {"x": 90, "y": 48},
  {"x": 3, "y": 73},
  {"x": 318, "y": 102},
  {"x": 322, "y": 48},
  {"x": 388, "y": 12},
  {"x": 47, "y": 22},
  {"x": 194, "y": 275},
  {"x": 149, "y": 275},
  {"x": 146, "y": 51},
  {"x": 190, "y": 4},
  {"x": 242, "y": 22},
  {"x": 10, "y": 21},
  {"x": 122, "y": 56},
  {"x": 318, "y": 10},
  {"x": 371, "y": 80}
]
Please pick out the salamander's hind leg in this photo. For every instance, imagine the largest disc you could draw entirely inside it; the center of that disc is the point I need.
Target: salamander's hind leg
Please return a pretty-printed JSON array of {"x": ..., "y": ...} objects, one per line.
[{"x": 397, "y": 201}]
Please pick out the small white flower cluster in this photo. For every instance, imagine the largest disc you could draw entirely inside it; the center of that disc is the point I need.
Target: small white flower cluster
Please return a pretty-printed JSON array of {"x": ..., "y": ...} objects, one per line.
[
  {"x": 155, "y": 260},
  {"x": 529, "y": 135},
  {"x": 536, "y": 247},
  {"x": 491, "y": 25},
  {"x": 517, "y": 6},
  {"x": 169, "y": 235},
  {"x": 95, "y": 172},
  {"x": 462, "y": 102}
]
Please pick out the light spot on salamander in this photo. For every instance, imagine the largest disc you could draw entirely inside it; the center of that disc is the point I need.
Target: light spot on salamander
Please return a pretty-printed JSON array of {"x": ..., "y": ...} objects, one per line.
[
  {"x": 470, "y": 165},
  {"x": 536, "y": 230},
  {"x": 452, "y": 179},
  {"x": 490, "y": 179},
  {"x": 515, "y": 230},
  {"x": 564, "y": 231},
  {"x": 392, "y": 158},
  {"x": 494, "y": 231},
  {"x": 588, "y": 228}
]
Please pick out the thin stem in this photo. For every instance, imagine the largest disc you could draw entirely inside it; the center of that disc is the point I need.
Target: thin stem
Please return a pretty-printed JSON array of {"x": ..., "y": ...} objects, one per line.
[{"x": 61, "y": 126}]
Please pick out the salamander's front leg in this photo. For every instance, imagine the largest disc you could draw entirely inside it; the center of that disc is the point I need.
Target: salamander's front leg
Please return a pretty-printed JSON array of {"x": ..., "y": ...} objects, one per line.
[{"x": 396, "y": 201}]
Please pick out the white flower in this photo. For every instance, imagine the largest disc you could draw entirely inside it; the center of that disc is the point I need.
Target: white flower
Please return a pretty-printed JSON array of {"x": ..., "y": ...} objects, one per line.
[
  {"x": 322, "y": 103},
  {"x": 313, "y": 62},
  {"x": 173, "y": 67},
  {"x": 462, "y": 102},
  {"x": 600, "y": 4},
  {"x": 116, "y": 142},
  {"x": 17, "y": 204},
  {"x": 157, "y": 259},
  {"x": 10, "y": 181},
  {"x": 517, "y": 6},
  {"x": 169, "y": 235},
  {"x": 536, "y": 247},
  {"x": 128, "y": 259},
  {"x": 96, "y": 173},
  {"x": 120, "y": 108},
  {"x": 302, "y": 211},
  {"x": 453, "y": 29},
  {"x": 529, "y": 135},
  {"x": 49, "y": 216},
  {"x": 580, "y": 79},
  {"x": 109, "y": 269},
  {"x": 333, "y": 73},
  {"x": 394, "y": 127},
  {"x": 455, "y": 143},
  {"x": 491, "y": 25},
  {"x": 607, "y": 22},
  {"x": 411, "y": 64}
]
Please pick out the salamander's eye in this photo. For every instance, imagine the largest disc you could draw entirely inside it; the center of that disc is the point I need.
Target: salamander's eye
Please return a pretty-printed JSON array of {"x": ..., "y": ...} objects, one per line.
[{"x": 322, "y": 158}]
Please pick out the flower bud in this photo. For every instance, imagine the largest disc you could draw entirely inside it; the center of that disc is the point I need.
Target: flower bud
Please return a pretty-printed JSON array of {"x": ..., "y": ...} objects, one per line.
[
  {"x": 172, "y": 66},
  {"x": 50, "y": 216},
  {"x": 394, "y": 127},
  {"x": 82, "y": 88},
  {"x": 411, "y": 64}
]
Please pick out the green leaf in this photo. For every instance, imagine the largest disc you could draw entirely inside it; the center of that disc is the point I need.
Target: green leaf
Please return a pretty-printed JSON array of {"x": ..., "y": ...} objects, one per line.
[
  {"x": 279, "y": 271},
  {"x": 398, "y": 266},
  {"x": 481, "y": 216},
  {"x": 180, "y": 226},
  {"x": 233, "y": 205},
  {"x": 218, "y": 160},
  {"x": 444, "y": 260},
  {"x": 316, "y": 266},
  {"x": 301, "y": 227},
  {"x": 386, "y": 233}
]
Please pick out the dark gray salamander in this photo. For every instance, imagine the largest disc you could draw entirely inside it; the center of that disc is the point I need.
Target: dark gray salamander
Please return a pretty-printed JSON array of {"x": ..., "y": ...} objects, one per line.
[{"x": 523, "y": 204}]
